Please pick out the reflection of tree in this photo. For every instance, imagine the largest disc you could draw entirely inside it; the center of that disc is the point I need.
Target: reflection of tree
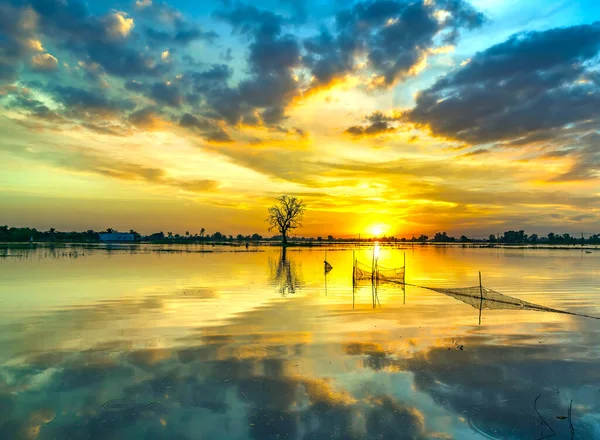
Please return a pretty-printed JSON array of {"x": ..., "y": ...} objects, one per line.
[{"x": 284, "y": 274}]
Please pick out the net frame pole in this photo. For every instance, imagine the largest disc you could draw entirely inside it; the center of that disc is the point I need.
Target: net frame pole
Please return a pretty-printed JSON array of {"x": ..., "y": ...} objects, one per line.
[
  {"x": 404, "y": 279},
  {"x": 373, "y": 266},
  {"x": 325, "y": 271},
  {"x": 481, "y": 296},
  {"x": 353, "y": 269}
]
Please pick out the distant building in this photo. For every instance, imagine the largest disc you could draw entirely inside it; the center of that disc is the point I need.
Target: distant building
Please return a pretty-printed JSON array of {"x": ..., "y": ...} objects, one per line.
[{"x": 117, "y": 236}]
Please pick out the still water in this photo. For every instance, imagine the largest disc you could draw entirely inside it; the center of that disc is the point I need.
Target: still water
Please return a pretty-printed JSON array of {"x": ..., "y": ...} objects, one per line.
[{"x": 220, "y": 343}]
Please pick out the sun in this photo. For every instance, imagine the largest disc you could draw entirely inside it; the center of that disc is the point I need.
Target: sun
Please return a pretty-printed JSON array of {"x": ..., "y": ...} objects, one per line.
[{"x": 378, "y": 229}]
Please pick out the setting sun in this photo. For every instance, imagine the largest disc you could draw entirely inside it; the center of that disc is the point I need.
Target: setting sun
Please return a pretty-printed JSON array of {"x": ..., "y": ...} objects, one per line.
[{"x": 379, "y": 229}]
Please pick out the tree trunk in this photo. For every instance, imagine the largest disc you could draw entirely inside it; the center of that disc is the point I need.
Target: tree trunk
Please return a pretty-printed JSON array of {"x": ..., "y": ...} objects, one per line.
[{"x": 284, "y": 238}]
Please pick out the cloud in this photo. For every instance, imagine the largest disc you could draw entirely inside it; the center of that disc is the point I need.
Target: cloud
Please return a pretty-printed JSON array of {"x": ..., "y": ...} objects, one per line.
[
  {"x": 394, "y": 36},
  {"x": 102, "y": 39},
  {"x": 379, "y": 123},
  {"x": 180, "y": 37},
  {"x": 376, "y": 128},
  {"x": 272, "y": 57},
  {"x": 87, "y": 160},
  {"x": 44, "y": 62},
  {"x": 17, "y": 40},
  {"x": 118, "y": 25},
  {"x": 477, "y": 152},
  {"x": 527, "y": 84},
  {"x": 65, "y": 105},
  {"x": 147, "y": 119},
  {"x": 585, "y": 152},
  {"x": 533, "y": 367},
  {"x": 167, "y": 93},
  {"x": 208, "y": 129},
  {"x": 197, "y": 185},
  {"x": 218, "y": 73},
  {"x": 81, "y": 103}
]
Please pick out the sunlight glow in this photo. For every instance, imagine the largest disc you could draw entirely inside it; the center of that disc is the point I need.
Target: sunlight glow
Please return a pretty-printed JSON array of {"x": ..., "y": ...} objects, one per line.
[{"x": 378, "y": 229}]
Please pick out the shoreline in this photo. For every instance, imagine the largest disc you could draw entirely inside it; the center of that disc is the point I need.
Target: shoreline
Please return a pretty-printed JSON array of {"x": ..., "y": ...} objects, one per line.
[{"x": 291, "y": 245}]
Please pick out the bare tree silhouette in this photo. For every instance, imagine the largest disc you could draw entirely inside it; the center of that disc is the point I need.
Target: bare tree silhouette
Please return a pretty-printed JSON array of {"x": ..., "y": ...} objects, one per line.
[{"x": 285, "y": 214}]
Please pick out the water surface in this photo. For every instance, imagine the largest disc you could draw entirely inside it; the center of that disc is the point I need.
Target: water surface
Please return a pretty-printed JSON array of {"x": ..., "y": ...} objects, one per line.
[{"x": 144, "y": 342}]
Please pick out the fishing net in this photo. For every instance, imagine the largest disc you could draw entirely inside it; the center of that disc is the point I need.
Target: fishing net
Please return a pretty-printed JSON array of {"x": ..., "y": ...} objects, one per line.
[
  {"x": 362, "y": 272},
  {"x": 484, "y": 298},
  {"x": 393, "y": 275},
  {"x": 481, "y": 297}
]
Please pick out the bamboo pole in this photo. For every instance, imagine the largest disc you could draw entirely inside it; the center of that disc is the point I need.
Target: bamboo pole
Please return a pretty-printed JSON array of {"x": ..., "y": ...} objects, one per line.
[
  {"x": 353, "y": 269},
  {"x": 373, "y": 266},
  {"x": 481, "y": 296}
]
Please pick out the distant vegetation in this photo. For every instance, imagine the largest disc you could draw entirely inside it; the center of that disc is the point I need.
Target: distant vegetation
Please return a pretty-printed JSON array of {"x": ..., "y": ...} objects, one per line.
[{"x": 12, "y": 234}]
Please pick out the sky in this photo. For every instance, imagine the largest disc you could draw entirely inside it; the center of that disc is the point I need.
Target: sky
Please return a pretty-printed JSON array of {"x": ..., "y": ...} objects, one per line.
[{"x": 385, "y": 116}]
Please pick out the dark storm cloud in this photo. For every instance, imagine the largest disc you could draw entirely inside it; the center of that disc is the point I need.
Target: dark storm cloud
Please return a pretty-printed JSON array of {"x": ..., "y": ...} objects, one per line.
[
  {"x": 249, "y": 20},
  {"x": 394, "y": 36},
  {"x": 90, "y": 109},
  {"x": 274, "y": 55},
  {"x": 136, "y": 86},
  {"x": 272, "y": 58},
  {"x": 181, "y": 37},
  {"x": 88, "y": 102},
  {"x": 267, "y": 91},
  {"x": 529, "y": 83},
  {"x": 217, "y": 72},
  {"x": 101, "y": 39},
  {"x": 162, "y": 92},
  {"x": 376, "y": 128},
  {"x": 224, "y": 103},
  {"x": 378, "y": 123},
  {"x": 586, "y": 155},
  {"x": 190, "y": 121},
  {"x": 16, "y": 26},
  {"x": 381, "y": 117},
  {"x": 329, "y": 57},
  {"x": 122, "y": 61},
  {"x": 170, "y": 27},
  {"x": 147, "y": 118},
  {"x": 167, "y": 93},
  {"x": 208, "y": 129}
]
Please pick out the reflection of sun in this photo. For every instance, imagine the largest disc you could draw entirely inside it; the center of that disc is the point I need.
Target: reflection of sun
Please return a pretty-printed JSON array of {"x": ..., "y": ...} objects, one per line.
[{"x": 378, "y": 229}]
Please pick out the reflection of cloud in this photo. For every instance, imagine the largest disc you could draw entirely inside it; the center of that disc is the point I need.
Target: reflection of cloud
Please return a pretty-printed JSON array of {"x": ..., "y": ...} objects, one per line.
[
  {"x": 182, "y": 388},
  {"x": 390, "y": 419},
  {"x": 493, "y": 386},
  {"x": 202, "y": 384}
]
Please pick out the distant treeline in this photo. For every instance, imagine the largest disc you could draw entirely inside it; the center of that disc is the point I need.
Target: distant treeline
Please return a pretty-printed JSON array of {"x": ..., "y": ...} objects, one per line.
[{"x": 12, "y": 234}]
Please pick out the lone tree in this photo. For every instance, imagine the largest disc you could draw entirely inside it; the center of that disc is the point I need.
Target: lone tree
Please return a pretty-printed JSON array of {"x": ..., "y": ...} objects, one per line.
[{"x": 285, "y": 214}]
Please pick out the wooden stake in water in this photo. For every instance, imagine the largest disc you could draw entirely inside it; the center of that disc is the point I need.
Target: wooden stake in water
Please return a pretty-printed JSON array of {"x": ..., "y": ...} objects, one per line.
[
  {"x": 373, "y": 266},
  {"x": 404, "y": 279},
  {"x": 481, "y": 296},
  {"x": 353, "y": 269}
]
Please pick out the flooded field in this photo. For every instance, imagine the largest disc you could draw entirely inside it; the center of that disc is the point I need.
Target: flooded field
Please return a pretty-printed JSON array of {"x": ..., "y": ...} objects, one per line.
[{"x": 180, "y": 343}]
